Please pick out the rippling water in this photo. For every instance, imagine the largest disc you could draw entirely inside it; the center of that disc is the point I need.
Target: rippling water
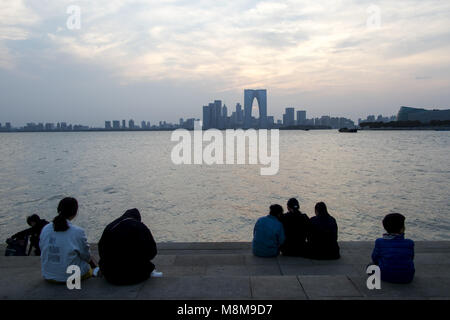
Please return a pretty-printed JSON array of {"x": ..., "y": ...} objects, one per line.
[{"x": 361, "y": 177}]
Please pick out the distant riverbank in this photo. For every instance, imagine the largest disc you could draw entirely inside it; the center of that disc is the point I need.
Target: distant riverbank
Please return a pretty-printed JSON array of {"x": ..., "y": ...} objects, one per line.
[{"x": 409, "y": 128}]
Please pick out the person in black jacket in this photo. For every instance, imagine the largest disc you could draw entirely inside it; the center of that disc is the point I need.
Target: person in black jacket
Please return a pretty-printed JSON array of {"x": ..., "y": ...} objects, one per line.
[
  {"x": 295, "y": 224},
  {"x": 36, "y": 224},
  {"x": 322, "y": 235},
  {"x": 126, "y": 249}
]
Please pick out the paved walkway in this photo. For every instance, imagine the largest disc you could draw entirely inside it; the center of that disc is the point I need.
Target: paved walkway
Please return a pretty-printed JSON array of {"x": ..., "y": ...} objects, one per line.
[{"x": 230, "y": 271}]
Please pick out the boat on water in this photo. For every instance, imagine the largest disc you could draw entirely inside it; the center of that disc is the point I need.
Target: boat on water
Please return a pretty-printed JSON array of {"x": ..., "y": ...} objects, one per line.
[{"x": 348, "y": 130}]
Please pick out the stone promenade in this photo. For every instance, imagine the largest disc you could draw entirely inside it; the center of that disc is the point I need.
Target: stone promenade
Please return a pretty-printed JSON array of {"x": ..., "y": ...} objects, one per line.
[{"x": 230, "y": 271}]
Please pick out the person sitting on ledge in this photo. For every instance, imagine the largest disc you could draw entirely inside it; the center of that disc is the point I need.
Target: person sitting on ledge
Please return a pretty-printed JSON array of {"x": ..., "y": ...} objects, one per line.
[
  {"x": 295, "y": 224},
  {"x": 126, "y": 249},
  {"x": 64, "y": 244},
  {"x": 393, "y": 253},
  {"x": 36, "y": 224},
  {"x": 322, "y": 235},
  {"x": 268, "y": 233}
]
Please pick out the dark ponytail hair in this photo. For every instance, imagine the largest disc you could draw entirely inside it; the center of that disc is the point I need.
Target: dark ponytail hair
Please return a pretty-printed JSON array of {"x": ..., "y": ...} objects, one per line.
[
  {"x": 67, "y": 208},
  {"x": 294, "y": 205},
  {"x": 321, "y": 209}
]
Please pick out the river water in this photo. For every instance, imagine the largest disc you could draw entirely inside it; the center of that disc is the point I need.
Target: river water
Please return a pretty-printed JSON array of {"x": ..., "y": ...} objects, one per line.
[{"x": 361, "y": 177}]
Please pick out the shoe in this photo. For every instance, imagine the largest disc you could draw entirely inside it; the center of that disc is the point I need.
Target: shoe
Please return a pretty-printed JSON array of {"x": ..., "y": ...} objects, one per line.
[
  {"x": 96, "y": 272},
  {"x": 156, "y": 274}
]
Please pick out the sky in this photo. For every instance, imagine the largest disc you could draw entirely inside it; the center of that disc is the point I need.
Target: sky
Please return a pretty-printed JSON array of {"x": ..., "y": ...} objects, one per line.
[{"x": 163, "y": 60}]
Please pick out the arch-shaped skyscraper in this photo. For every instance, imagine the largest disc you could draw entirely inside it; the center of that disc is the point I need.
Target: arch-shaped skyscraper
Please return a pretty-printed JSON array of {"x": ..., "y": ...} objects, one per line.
[{"x": 261, "y": 96}]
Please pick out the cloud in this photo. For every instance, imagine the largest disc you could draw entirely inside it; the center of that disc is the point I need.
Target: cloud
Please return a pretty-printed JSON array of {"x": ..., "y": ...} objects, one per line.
[
  {"x": 288, "y": 46},
  {"x": 243, "y": 42}
]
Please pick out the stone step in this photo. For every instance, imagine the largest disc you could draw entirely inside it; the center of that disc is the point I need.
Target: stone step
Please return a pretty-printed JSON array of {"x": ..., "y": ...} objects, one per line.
[{"x": 226, "y": 287}]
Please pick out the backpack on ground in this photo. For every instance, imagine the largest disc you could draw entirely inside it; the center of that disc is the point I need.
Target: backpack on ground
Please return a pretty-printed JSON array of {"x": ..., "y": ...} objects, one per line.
[{"x": 16, "y": 247}]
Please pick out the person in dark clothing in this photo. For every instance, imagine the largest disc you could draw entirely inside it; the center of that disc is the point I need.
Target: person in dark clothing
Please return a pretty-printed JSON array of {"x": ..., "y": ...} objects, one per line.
[
  {"x": 296, "y": 225},
  {"x": 322, "y": 235},
  {"x": 36, "y": 224},
  {"x": 126, "y": 249},
  {"x": 393, "y": 253}
]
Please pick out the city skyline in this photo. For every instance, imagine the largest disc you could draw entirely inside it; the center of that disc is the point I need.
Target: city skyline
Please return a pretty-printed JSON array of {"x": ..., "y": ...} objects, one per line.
[
  {"x": 130, "y": 124},
  {"x": 132, "y": 59}
]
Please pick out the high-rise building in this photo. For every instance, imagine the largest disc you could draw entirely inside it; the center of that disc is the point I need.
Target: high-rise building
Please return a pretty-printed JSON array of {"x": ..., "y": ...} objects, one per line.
[
  {"x": 212, "y": 116},
  {"x": 301, "y": 117},
  {"x": 270, "y": 122},
  {"x": 143, "y": 125},
  {"x": 289, "y": 117},
  {"x": 224, "y": 117},
  {"x": 239, "y": 113},
  {"x": 218, "y": 113},
  {"x": 123, "y": 124},
  {"x": 131, "y": 124},
  {"x": 8, "y": 125},
  {"x": 206, "y": 117},
  {"x": 325, "y": 120},
  {"x": 116, "y": 124},
  {"x": 189, "y": 124},
  {"x": 261, "y": 97},
  {"x": 108, "y": 125}
]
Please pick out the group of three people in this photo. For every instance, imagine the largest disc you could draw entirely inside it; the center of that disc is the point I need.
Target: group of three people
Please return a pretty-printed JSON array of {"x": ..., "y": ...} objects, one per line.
[{"x": 294, "y": 234}]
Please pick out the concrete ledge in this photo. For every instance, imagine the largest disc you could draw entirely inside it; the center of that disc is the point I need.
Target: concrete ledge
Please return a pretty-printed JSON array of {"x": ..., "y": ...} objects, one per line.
[{"x": 230, "y": 271}]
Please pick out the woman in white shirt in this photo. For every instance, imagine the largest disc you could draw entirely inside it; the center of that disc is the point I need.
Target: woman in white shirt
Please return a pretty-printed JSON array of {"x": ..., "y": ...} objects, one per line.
[{"x": 64, "y": 244}]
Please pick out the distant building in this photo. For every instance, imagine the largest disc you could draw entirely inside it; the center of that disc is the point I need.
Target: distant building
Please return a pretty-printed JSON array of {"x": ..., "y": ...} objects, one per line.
[
  {"x": 116, "y": 124},
  {"x": 143, "y": 125},
  {"x": 79, "y": 127},
  {"x": 206, "y": 117},
  {"x": 189, "y": 124},
  {"x": 108, "y": 125},
  {"x": 123, "y": 124},
  {"x": 261, "y": 97},
  {"x": 422, "y": 115},
  {"x": 218, "y": 113},
  {"x": 131, "y": 124},
  {"x": 239, "y": 113},
  {"x": 8, "y": 126},
  {"x": 371, "y": 118},
  {"x": 301, "y": 117},
  {"x": 289, "y": 117}
]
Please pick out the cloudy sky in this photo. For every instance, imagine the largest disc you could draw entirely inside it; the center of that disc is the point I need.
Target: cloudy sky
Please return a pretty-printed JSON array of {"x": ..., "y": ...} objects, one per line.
[{"x": 162, "y": 60}]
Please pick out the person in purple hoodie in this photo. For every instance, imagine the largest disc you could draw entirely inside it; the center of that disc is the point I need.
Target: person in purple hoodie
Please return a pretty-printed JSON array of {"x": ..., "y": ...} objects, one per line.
[{"x": 393, "y": 253}]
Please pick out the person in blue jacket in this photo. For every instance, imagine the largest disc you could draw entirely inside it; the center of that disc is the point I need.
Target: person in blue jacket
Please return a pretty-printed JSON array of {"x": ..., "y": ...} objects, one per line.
[
  {"x": 268, "y": 234},
  {"x": 393, "y": 253}
]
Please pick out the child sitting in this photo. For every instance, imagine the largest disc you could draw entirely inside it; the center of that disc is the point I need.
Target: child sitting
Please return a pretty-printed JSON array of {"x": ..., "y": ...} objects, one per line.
[{"x": 393, "y": 253}]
